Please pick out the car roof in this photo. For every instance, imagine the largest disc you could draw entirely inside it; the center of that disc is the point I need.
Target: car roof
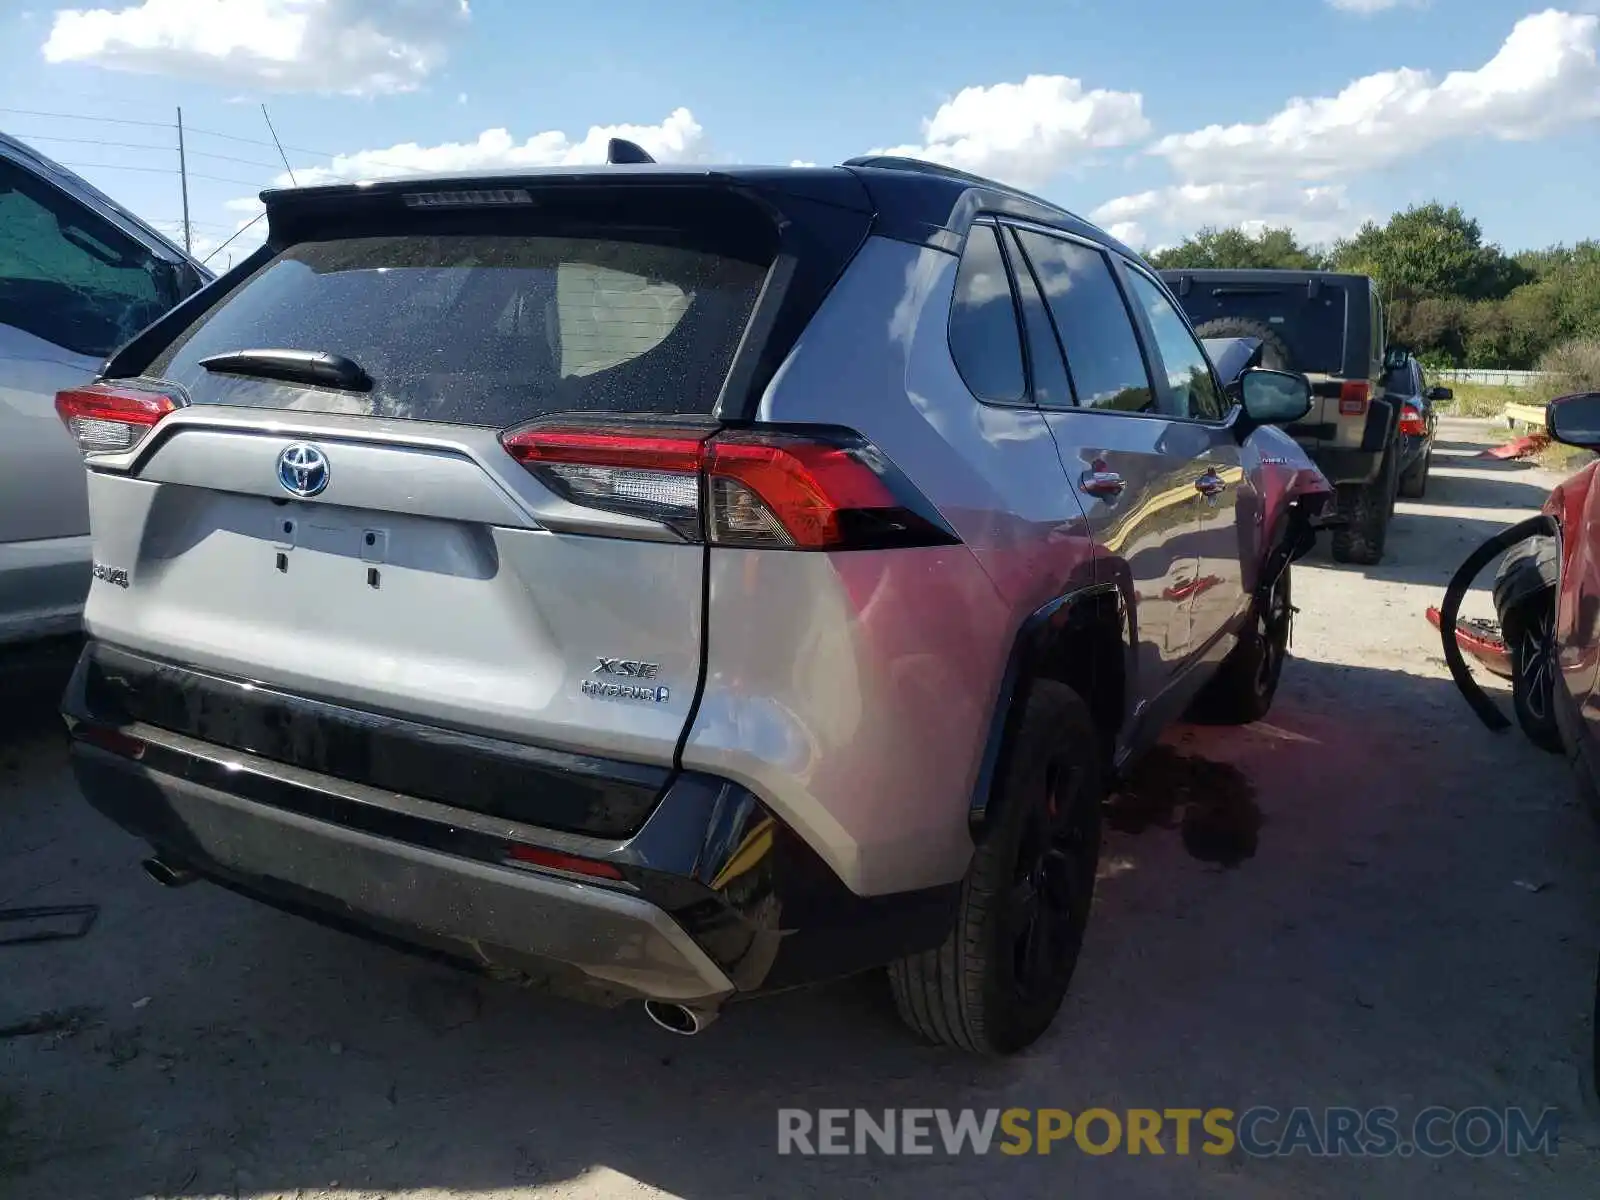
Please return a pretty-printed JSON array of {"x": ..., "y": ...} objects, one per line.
[
  {"x": 25, "y": 156},
  {"x": 925, "y": 201}
]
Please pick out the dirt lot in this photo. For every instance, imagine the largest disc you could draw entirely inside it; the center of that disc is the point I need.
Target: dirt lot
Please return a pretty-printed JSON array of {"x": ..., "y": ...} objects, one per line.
[{"x": 1368, "y": 901}]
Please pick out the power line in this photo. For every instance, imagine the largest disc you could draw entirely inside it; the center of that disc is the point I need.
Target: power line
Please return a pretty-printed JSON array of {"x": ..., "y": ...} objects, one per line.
[
  {"x": 33, "y": 112},
  {"x": 249, "y": 162},
  {"x": 41, "y": 137},
  {"x": 83, "y": 166},
  {"x": 190, "y": 130},
  {"x": 226, "y": 244}
]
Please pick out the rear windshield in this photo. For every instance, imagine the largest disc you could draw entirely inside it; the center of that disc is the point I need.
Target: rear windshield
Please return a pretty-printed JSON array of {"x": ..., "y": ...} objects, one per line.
[
  {"x": 1313, "y": 329},
  {"x": 482, "y": 330}
]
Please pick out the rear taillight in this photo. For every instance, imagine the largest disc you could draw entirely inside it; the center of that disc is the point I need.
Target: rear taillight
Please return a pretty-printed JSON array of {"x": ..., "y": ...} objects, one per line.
[
  {"x": 1412, "y": 421},
  {"x": 106, "y": 418},
  {"x": 757, "y": 488},
  {"x": 1353, "y": 397}
]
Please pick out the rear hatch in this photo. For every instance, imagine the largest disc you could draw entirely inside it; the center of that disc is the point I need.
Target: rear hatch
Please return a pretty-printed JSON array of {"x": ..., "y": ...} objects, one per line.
[
  {"x": 338, "y": 506},
  {"x": 1312, "y": 323}
]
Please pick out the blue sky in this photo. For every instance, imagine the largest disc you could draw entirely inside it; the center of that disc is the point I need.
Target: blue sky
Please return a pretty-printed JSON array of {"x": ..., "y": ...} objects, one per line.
[{"x": 1152, "y": 118}]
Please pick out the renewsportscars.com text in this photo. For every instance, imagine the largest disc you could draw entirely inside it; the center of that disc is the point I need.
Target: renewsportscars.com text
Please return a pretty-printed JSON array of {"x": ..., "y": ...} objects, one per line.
[{"x": 1259, "y": 1132}]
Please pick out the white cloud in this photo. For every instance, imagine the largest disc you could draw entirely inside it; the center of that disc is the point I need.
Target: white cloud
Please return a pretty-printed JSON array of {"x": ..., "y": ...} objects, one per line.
[
  {"x": 679, "y": 138},
  {"x": 1026, "y": 133},
  {"x": 353, "y": 46},
  {"x": 1316, "y": 214},
  {"x": 1129, "y": 233},
  {"x": 1545, "y": 76}
]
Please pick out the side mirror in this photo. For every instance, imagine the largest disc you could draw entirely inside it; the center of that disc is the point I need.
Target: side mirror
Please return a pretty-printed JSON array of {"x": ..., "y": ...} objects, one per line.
[
  {"x": 1274, "y": 397},
  {"x": 1575, "y": 419},
  {"x": 1440, "y": 394}
]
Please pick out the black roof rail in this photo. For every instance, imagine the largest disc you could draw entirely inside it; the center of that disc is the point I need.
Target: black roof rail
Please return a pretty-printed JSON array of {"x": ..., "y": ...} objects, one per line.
[
  {"x": 921, "y": 166},
  {"x": 620, "y": 150}
]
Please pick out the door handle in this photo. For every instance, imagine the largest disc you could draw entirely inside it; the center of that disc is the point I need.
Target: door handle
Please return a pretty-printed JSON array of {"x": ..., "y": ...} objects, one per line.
[
  {"x": 1210, "y": 484},
  {"x": 1107, "y": 485}
]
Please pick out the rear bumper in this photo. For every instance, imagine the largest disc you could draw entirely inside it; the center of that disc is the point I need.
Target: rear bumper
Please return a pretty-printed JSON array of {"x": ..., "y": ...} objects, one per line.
[
  {"x": 1351, "y": 464},
  {"x": 709, "y": 897},
  {"x": 559, "y": 931}
]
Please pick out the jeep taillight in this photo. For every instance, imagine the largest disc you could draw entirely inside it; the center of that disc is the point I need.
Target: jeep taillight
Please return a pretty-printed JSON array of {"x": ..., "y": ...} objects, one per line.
[
  {"x": 748, "y": 487},
  {"x": 1353, "y": 397},
  {"x": 106, "y": 418},
  {"x": 1412, "y": 420}
]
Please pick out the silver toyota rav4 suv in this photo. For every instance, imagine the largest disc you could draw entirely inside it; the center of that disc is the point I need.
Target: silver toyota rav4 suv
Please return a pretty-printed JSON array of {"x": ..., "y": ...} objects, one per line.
[{"x": 676, "y": 584}]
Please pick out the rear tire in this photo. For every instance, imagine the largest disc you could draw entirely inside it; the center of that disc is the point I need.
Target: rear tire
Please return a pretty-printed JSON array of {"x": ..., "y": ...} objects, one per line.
[
  {"x": 995, "y": 985},
  {"x": 1243, "y": 688},
  {"x": 1274, "y": 350},
  {"x": 1414, "y": 483},
  {"x": 1367, "y": 507},
  {"x": 1530, "y": 635}
]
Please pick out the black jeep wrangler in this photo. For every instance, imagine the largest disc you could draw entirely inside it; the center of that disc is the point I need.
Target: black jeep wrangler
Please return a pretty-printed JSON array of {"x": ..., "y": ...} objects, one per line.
[{"x": 1329, "y": 327}]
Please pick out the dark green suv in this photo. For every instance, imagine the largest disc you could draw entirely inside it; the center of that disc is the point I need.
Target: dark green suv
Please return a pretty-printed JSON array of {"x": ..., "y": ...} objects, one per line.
[{"x": 1329, "y": 327}]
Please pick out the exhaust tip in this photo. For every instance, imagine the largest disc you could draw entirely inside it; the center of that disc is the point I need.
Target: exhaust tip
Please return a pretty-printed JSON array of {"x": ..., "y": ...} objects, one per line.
[
  {"x": 677, "y": 1018},
  {"x": 166, "y": 874}
]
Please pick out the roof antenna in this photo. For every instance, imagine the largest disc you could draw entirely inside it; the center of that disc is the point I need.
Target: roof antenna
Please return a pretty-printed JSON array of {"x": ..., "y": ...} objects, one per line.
[{"x": 621, "y": 150}]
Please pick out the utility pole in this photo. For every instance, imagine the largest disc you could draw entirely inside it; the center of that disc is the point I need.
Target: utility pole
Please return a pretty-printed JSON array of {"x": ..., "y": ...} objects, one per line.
[{"x": 183, "y": 176}]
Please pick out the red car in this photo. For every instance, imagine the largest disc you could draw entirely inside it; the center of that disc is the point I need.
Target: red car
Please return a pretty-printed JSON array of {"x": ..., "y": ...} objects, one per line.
[{"x": 1547, "y": 596}]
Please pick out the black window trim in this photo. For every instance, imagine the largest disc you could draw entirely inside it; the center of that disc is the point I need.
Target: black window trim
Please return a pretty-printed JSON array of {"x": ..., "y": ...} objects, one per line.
[{"x": 1012, "y": 244}]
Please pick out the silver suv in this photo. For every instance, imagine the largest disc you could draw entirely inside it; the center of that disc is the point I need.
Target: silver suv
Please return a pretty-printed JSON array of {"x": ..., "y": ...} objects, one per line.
[
  {"x": 79, "y": 275},
  {"x": 677, "y": 584}
]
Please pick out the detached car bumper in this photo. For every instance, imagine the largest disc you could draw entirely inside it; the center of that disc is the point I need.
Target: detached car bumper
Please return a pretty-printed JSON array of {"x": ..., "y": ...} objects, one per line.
[{"x": 710, "y": 896}]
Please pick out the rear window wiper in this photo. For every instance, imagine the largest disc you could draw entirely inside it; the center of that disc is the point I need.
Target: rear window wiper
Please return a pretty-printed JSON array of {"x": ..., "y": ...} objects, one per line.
[{"x": 295, "y": 366}]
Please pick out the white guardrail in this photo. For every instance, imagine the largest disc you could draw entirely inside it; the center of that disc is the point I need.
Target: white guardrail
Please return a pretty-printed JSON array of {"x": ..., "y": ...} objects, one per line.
[{"x": 1499, "y": 378}]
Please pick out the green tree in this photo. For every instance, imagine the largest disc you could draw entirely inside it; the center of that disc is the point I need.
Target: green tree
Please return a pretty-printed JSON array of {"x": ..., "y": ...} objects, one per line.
[
  {"x": 1429, "y": 251},
  {"x": 1434, "y": 327},
  {"x": 1236, "y": 249}
]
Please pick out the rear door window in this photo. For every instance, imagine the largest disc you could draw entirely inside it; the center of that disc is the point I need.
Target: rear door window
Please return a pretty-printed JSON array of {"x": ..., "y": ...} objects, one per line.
[
  {"x": 1191, "y": 388},
  {"x": 1103, "y": 355},
  {"x": 69, "y": 277},
  {"x": 480, "y": 329}
]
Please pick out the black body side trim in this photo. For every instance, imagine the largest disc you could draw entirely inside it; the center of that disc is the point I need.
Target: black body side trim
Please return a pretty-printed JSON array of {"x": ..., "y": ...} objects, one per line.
[
  {"x": 1046, "y": 625},
  {"x": 489, "y": 775}
]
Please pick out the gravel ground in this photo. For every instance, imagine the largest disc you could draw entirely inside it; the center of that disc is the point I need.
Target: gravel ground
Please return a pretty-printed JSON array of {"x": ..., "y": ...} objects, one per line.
[{"x": 1367, "y": 901}]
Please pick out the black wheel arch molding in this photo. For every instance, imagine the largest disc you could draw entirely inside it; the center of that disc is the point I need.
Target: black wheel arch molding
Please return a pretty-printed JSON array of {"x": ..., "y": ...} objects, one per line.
[{"x": 1043, "y": 649}]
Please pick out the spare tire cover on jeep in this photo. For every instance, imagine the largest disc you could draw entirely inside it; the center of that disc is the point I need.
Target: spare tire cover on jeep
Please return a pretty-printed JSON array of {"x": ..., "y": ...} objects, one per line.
[{"x": 1274, "y": 351}]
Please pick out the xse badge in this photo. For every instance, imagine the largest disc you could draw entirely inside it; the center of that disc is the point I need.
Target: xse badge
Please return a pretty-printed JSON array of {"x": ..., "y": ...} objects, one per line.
[{"x": 626, "y": 668}]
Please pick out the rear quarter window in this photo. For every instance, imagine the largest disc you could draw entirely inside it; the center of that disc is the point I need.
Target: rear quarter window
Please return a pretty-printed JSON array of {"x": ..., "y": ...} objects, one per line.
[{"x": 483, "y": 329}]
